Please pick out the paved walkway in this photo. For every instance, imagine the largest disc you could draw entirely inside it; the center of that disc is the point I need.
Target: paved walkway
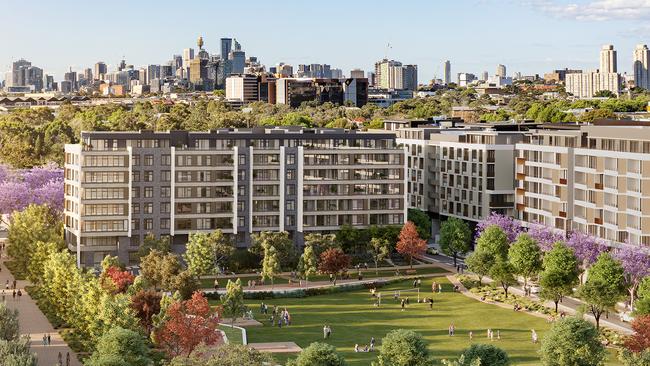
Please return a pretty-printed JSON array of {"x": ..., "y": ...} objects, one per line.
[{"x": 34, "y": 324}]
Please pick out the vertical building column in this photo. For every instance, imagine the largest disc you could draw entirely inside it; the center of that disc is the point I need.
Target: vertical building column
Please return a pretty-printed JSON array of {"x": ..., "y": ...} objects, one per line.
[
  {"x": 405, "y": 182},
  {"x": 129, "y": 151},
  {"x": 172, "y": 199},
  {"x": 235, "y": 195},
  {"x": 299, "y": 188},
  {"x": 251, "y": 165},
  {"x": 283, "y": 175}
]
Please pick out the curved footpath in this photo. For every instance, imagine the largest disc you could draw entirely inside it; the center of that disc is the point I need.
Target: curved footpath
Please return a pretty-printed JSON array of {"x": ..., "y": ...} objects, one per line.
[{"x": 34, "y": 323}]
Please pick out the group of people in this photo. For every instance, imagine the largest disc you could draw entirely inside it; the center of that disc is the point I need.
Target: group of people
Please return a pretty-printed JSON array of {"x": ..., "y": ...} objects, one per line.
[
  {"x": 283, "y": 317},
  {"x": 67, "y": 359},
  {"x": 14, "y": 292},
  {"x": 366, "y": 348},
  {"x": 327, "y": 331},
  {"x": 47, "y": 339}
]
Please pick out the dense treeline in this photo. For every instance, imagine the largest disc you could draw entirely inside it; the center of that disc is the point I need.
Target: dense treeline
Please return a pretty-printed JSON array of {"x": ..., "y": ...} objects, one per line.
[{"x": 30, "y": 137}]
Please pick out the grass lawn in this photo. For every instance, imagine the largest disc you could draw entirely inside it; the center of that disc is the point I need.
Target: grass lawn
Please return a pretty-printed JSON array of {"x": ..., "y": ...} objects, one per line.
[
  {"x": 209, "y": 282},
  {"x": 383, "y": 273},
  {"x": 354, "y": 319}
]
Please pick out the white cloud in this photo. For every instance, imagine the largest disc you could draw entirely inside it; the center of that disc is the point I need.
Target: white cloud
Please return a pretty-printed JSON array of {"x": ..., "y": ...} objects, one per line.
[{"x": 598, "y": 10}]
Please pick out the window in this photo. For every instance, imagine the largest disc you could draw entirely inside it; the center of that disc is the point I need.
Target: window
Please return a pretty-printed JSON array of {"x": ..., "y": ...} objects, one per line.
[
  {"x": 148, "y": 176},
  {"x": 165, "y": 207},
  {"x": 166, "y": 160},
  {"x": 165, "y": 192},
  {"x": 242, "y": 190},
  {"x": 148, "y": 208},
  {"x": 148, "y": 224},
  {"x": 291, "y": 220},
  {"x": 240, "y": 206},
  {"x": 135, "y": 208},
  {"x": 291, "y": 159},
  {"x": 135, "y": 224},
  {"x": 148, "y": 192},
  {"x": 240, "y": 221},
  {"x": 164, "y": 223},
  {"x": 291, "y": 174},
  {"x": 165, "y": 176},
  {"x": 242, "y": 159},
  {"x": 136, "y": 177},
  {"x": 148, "y": 160},
  {"x": 136, "y": 160},
  {"x": 135, "y": 192},
  {"x": 291, "y": 205},
  {"x": 291, "y": 190}
]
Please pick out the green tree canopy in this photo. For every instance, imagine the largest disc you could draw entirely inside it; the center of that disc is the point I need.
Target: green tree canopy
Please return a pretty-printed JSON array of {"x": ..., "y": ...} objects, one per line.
[
  {"x": 604, "y": 287},
  {"x": 455, "y": 237},
  {"x": 232, "y": 302},
  {"x": 560, "y": 273},
  {"x": 422, "y": 222},
  {"x": 318, "y": 354},
  {"x": 401, "y": 347},
  {"x": 572, "y": 342},
  {"x": 119, "y": 347},
  {"x": 308, "y": 263},
  {"x": 224, "y": 355},
  {"x": 488, "y": 354},
  {"x": 526, "y": 257}
]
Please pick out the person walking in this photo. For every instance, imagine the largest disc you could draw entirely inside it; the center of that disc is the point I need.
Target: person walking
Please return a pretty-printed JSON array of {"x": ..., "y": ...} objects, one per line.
[
  {"x": 20, "y": 293},
  {"x": 372, "y": 343},
  {"x": 325, "y": 331},
  {"x": 67, "y": 359},
  {"x": 533, "y": 335},
  {"x": 439, "y": 288},
  {"x": 49, "y": 339},
  {"x": 498, "y": 334},
  {"x": 402, "y": 304},
  {"x": 60, "y": 363},
  {"x": 471, "y": 335}
]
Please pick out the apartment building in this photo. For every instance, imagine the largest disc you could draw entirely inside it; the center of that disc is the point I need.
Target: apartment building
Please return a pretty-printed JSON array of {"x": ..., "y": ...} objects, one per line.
[
  {"x": 591, "y": 178},
  {"x": 465, "y": 171},
  {"x": 119, "y": 186}
]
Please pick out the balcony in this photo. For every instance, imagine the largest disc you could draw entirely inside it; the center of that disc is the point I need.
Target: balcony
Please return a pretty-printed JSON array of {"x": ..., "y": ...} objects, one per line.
[
  {"x": 598, "y": 186},
  {"x": 563, "y": 214},
  {"x": 520, "y": 206},
  {"x": 562, "y": 180},
  {"x": 598, "y": 221},
  {"x": 521, "y": 176},
  {"x": 521, "y": 161},
  {"x": 520, "y": 191}
]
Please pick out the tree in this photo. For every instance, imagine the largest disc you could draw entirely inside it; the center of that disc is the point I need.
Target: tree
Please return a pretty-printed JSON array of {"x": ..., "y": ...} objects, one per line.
[
  {"x": 118, "y": 347},
  {"x": 348, "y": 238},
  {"x": 642, "y": 305},
  {"x": 605, "y": 94},
  {"x": 42, "y": 185},
  {"x": 150, "y": 243},
  {"x": 232, "y": 302},
  {"x": 333, "y": 261},
  {"x": 188, "y": 324},
  {"x": 480, "y": 262},
  {"x": 185, "y": 284},
  {"x": 572, "y": 342},
  {"x": 379, "y": 249},
  {"x": 318, "y": 354},
  {"x": 320, "y": 242},
  {"x": 604, "y": 287},
  {"x": 640, "y": 340},
  {"x": 224, "y": 355},
  {"x": 487, "y": 354},
  {"x": 502, "y": 273},
  {"x": 42, "y": 251},
  {"x": 28, "y": 227},
  {"x": 284, "y": 247},
  {"x": 634, "y": 359},
  {"x": 17, "y": 353},
  {"x": 158, "y": 269},
  {"x": 544, "y": 236},
  {"x": 455, "y": 237},
  {"x": 115, "y": 280},
  {"x": 199, "y": 254},
  {"x": 410, "y": 244},
  {"x": 494, "y": 241},
  {"x": 270, "y": 264},
  {"x": 422, "y": 222},
  {"x": 146, "y": 304},
  {"x": 560, "y": 274},
  {"x": 586, "y": 247},
  {"x": 636, "y": 265},
  {"x": 510, "y": 226},
  {"x": 308, "y": 263},
  {"x": 9, "y": 328},
  {"x": 526, "y": 258},
  {"x": 401, "y": 347}
]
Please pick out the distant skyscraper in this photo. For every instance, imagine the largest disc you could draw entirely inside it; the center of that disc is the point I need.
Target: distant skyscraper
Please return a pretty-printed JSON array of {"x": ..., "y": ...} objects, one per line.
[
  {"x": 391, "y": 74},
  {"x": 608, "y": 59},
  {"x": 410, "y": 77},
  {"x": 226, "y": 47},
  {"x": 641, "y": 63},
  {"x": 446, "y": 77},
  {"x": 71, "y": 76},
  {"x": 501, "y": 71},
  {"x": 122, "y": 65},
  {"x": 235, "y": 45},
  {"x": 188, "y": 55},
  {"x": 238, "y": 59},
  {"x": 484, "y": 76},
  {"x": 100, "y": 70},
  {"x": 336, "y": 73},
  {"x": 357, "y": 74}
]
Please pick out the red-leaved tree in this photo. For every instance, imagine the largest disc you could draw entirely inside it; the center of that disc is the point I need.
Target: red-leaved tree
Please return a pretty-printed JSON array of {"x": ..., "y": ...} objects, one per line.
[
  {"x": 640, "y": 340},
  {"x": 146, "y": 304},
  {"x": 189, "y": 323},
  {"x": 333, "y": 261},
  {"x": 410, "y": 244},
  {"x": 115, "y": 280}
]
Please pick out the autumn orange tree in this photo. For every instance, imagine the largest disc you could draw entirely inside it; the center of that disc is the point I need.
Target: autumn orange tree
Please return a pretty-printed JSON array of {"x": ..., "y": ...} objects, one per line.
[
  {"x": 640, "y": 340},
  {"x": 146, "y": 304},
  {"x": 409, "y": 244},
  {"x": 115, "y": 280},
  {"x": 333, "y": 261},
  {"x": 189, "y": 323}
]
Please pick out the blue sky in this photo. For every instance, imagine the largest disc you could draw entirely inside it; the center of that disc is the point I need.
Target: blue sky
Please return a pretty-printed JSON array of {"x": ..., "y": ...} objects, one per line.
[{"x": 530, "y": 36}]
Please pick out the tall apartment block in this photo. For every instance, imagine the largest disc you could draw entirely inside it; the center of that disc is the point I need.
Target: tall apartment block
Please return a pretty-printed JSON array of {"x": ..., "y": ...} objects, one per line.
[
  {"x": 119, "y": 186},
  {"x": 593, "y": 178},
  {"x": 465, "y": 172}
]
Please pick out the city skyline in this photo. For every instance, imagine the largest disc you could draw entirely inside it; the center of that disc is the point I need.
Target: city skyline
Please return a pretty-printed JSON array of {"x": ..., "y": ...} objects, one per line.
[{"x": 537, "y": 47}]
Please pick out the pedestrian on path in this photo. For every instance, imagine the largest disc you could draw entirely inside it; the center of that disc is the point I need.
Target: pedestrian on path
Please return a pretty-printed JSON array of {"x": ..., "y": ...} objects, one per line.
[
  {"x": 49, "y": 339},
  {"x": 471, "y": 335},
  {"x": 67, "y": 359},
  {"x": 60, "y": 363},
  {"x": 20, "y": 293}
]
